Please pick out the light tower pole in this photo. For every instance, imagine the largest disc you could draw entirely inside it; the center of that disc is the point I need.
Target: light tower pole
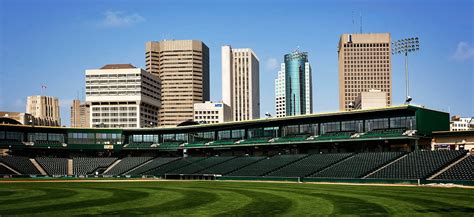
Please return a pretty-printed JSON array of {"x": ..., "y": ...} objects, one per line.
[{"x": 405, "y": 46}]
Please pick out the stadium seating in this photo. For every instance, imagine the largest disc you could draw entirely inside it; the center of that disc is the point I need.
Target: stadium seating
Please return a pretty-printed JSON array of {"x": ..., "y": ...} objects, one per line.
[
  {"x": 5, "y": 171},
  {"x": 138, "y": 145},
  {"x": 260, "y": 140},
  {"x": 127, "y": 164},
  {"x": 418, "y": 165},
  {"x": 383, "y": 133},
  {"x": 53, "y": 166},
  {"x": 222, "y": 142},
  {"x": 6, "y": 143},
  {"x": 266, "y": 165},
  {"x": 21, "y": 164},
  {"x": 169, "y": 145},
  {"x": 174, "y": 165},
  {"x": 201, "y": 165},
  {"x": 292, "y": 138},
  {"x": 87, "y": 165},
  {"x": 143, "y": 169},
  {"x": 195, "y": 145},
  {"x": 231, "y": 165},
  {"x": 463, "y": 170},
  {"x": 309, "y": 165},
  {"x": 358, "y": 165},
  {"x": 48, "y": 144},
  {"x": 334, "y": 135}
]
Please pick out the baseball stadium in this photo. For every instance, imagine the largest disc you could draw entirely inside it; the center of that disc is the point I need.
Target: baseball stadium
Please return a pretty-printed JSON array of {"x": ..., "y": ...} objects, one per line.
[{"x": 363, "y": 162}]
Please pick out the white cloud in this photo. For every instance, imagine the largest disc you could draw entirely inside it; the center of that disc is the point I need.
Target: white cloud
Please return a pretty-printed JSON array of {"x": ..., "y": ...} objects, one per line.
[
  {"x": 464, "y": 51},
  {"x": 120, "y": 19},
  {"x": 271, "y": 64}
]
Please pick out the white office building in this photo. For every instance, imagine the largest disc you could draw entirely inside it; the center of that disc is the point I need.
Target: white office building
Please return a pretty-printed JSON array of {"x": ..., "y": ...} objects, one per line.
[
  {"x": 461, "y": 124},
  {"x": 280, "y": 108},
  {"x": 121, "y": 95},
  {"x": 240, "y": 83},
  {"x": 211, "y": 113}
]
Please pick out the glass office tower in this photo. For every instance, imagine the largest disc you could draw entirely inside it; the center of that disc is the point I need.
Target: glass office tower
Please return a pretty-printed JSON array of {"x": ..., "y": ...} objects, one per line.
[{"x": 298, "y": 88}]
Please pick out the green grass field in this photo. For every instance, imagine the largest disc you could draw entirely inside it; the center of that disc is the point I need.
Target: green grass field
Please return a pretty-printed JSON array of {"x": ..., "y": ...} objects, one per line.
[{"x": 230, "y": 199}]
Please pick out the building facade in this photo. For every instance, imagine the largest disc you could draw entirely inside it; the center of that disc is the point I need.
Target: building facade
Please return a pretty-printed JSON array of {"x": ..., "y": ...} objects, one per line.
[
  {"x": 211, "y": 113},
  {"x": 25, "y": 119},
  {"x": 240, "y": 83},
  {"x": 461, "y": 124},
  {"x": 183, "y": 68},
  {"x": 364, "y": 64},
  {"x": 371, "y": 99},
  {"x": 121, "y": 95},
  {"x": 294, "y": 80},
  {"x": 45, "y": 108},
  {"x": 280, "y": 106},
  {"x": 80, "y": 114}
]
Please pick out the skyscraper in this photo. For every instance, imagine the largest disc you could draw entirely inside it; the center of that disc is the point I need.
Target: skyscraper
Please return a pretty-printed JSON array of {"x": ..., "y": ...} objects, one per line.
[
  {"x": 280, "y": 103},
  {"x": 183, "y": 68},
  {"x": 45, "y": 108},
  {"x": 294, "y": 79},
  {"x": 80, "y": 114},
  {"x": 364, "y": 64},
  {"x": 240, "y": 83},
  {"x": 121, "y": 95}
]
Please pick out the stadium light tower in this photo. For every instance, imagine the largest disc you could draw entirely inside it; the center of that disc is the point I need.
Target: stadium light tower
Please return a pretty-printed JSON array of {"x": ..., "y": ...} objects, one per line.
[{"x": 405, "y": 46}]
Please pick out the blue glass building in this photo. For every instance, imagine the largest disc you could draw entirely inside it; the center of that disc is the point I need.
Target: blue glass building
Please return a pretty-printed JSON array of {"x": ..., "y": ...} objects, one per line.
[{"x": 298, "y": 88}]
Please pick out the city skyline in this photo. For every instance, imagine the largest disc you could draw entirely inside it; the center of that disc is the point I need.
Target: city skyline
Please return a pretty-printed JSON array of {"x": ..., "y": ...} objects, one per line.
[{"x": 70, "y": 41}]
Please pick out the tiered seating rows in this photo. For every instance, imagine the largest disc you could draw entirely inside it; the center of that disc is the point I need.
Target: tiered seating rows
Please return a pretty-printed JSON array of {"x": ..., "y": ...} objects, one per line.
[
  {"x": 21, "y": 164},
  {"x": 87, "y": 165},
  {"x": 53, "y": 166},
  {"x": 418, "y": 165},
  {"x": 266, "y": 165},
  {"x": 464, "y": 170},
  {"x": 127, "y": 164},
  {"x": 358, "y": 165},
  {"x": 309, "y": 165}
]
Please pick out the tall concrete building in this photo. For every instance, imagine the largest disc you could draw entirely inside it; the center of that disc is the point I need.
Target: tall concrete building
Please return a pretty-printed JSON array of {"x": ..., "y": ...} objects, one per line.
[
  {"x": 240, "y": 83},
  {"x": 371, "y": 99},
  {"x": 80, "y": 114},
  {"x": 121, "y": 95},
  {"x": 280, "y": 103},
  {"x": 44, "y": 107},
  {"x": 293, "y": 87},
  {"x": 183, "y": 68},
  {"x": 364, "y": 64}
]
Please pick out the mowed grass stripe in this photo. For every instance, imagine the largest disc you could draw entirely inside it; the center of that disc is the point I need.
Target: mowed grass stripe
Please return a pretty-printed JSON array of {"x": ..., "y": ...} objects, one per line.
[
  {"x": 19, "y": 193},
  {"x": 231, "y": 199},
  {"x": 360, "y": 202}
]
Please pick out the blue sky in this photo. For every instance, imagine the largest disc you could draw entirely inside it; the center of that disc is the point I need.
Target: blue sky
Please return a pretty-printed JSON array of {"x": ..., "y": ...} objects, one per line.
[{"x": 54, "y": 42}]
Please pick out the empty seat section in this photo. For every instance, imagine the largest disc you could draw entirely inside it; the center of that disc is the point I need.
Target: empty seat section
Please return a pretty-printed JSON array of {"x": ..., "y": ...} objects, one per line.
[
  {"x": 266, "y": 165},
  {"x": 172, "y": 166},
  {"x": 127, "y": 164},
  {"x": 87, "y": 165},
  {"x": 418, "y": 165},
  {"x": 138, "y": 145},
  {"x": 359, "y": 165},
  {"x": 201, "y": 165},
  {"x": 22, "y": 165},
  {"x": 463, "y": 170},
  {"x": 309, "y": 165},
  {"x": 231, "y": 165},
  {"x": 53, "y": 166},
  {"x": 5, "y": 171},
  {"x": 143, "y": 170}
]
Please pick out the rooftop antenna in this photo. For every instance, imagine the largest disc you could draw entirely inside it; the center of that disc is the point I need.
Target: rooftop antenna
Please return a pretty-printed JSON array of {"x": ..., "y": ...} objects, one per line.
[
  {"x": 361, "y": 22},
  {"x": 353, "y": 23}
]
